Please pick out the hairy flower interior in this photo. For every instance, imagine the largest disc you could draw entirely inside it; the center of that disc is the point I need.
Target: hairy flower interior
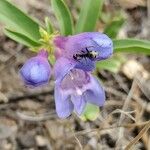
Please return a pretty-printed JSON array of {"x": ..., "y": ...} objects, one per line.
[{"x": 75, "y": 80}]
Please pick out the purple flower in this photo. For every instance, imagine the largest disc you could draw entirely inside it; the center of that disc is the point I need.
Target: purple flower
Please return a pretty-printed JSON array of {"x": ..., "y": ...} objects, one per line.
[
  {"x": 36, "y": 71},
  {"x": 74, "y": 88},
  {"x": 84, "y": 49}
]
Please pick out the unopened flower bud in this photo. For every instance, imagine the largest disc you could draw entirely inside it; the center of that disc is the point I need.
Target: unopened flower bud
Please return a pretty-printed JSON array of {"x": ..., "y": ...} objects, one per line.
[{"x": 36, "y": 71}]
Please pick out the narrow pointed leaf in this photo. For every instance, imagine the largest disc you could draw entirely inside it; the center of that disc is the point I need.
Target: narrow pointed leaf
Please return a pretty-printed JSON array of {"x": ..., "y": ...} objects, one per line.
[
  {"x": 89, "y": 14},
  {"x": 114, "y": 26},
  {"x": 18, "y": 37},
  {"x": 63, "y": 16},
  {"x": 17, "y": 20},
  {"x": 113, "y": 64},
  {"x": 132, "y": 46},
  {"x": 48, "y": 25}
]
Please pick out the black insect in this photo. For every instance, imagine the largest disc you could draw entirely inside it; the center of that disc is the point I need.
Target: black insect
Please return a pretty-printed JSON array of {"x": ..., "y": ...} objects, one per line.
[{"x": 88, "y": 54}]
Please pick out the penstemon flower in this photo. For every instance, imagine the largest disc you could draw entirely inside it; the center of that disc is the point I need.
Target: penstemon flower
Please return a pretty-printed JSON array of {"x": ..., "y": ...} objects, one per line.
[
  {"x": 74, "y": 88},
  {"x": 84, "y": 49},
  {"x": 36, "y": 71},
  {"x": 75, "y": 56}
]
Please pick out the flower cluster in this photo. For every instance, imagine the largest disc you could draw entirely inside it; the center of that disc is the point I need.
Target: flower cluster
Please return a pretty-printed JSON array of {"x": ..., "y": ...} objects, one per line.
[{"x": 76, "y": 56}]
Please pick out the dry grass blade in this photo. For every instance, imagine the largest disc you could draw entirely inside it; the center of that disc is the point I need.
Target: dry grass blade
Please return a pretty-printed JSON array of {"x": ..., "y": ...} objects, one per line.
[
  {"x": 111, "y": 127},
  {"x": 122, "y": 116},
  {"x": 12, "y": 57},
  {"x": 137, "y": 138},
  {"x": 148, "y": 6},
  {"x": 131, "y": 4},
  {"x": 144, "y": 86},
  {"x": 78, "y": 142},
  {"x": 125, "y": 113},
  {"x": 3, "y": 98},
  {"x": 36, "y": 118}
]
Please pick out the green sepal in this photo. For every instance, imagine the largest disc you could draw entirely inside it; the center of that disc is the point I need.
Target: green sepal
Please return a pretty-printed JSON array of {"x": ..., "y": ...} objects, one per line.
[{"x": 91, "y": 112}]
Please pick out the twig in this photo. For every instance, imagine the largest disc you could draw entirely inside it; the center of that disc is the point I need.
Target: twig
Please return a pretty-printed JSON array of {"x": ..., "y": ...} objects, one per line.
[
  {"x": 37, "y": 118},
  {"x": 148, "y": 145},
  {"x": 48, "y": 143},
  {"x": 137, "y": 138},
  {"x": 145, "y": 139},
  {"x": 126, "y": 103},
  {"x": 12, "y": 57},
  {"x": 78, "y": 142},
  {"x": 3, "y": 98},
  {"x": 115, "y": 92},
  {"x": 125, "y": 113},
  {"x": 111, "y": 127},
  {"x": 148, "y": 7},
  {"x": 121, "y": 83},
  {"x": 30, "y": 95},
  {"x": 142, "y": 85},
  {"x": 121, "y": 94}
]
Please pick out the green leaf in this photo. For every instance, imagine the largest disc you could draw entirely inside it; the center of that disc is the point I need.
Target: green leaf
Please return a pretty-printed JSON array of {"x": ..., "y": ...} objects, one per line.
[
  {"x": 91, "y": 112},
  {"x": 18, "y": 21},
  {"x": 21, "y": 38},
  {"x": 48, "y": 25},
  {"x": 114, "y": 26},
  {"x": 89, "y": 14},
  {"x": 63, "y": 16},
  {"x": 113, "y": 64},
  {"x": 132, "y": 46},
  {"x": 105, "y": 17}
]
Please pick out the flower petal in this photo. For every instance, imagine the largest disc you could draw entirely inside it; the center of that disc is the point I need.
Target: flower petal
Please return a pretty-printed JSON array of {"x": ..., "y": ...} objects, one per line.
[
  {"x": 36, "y": 71},
  {"x": 85, "y": 64},
  {"x": 95, "y": 93},
  {"x": 63, "y": 104},
  {"x": 62, "y": 68},
  {"x": 79, "y": 103},
  {"x": 60, "y": 41},
  {"x": 103, "y": 46},
  {"x": 84, "y": 48},
  {"x": 78, "y": 44}
]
